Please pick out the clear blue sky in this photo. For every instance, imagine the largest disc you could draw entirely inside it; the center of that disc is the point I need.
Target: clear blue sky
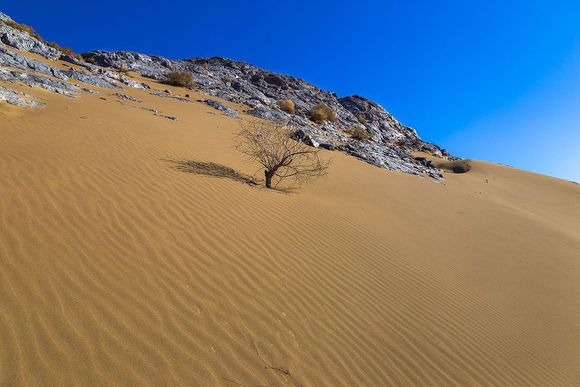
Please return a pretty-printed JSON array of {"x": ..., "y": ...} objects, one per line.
[{"x": 493, "y": 80}]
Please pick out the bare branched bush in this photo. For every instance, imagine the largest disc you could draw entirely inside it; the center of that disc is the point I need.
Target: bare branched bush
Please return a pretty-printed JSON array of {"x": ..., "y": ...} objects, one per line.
[
  {"x": 287, "y": 105},
  {"x": 321, "y": 113},
  {"x": 179, "y": 78},
  {"x": 271, "y": 145}
]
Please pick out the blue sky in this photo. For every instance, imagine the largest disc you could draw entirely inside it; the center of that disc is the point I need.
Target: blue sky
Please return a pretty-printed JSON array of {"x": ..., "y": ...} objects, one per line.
[{"x": 493, "y": 80}]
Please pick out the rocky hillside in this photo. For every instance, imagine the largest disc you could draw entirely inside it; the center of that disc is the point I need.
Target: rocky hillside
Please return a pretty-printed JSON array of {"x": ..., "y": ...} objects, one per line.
[{"x": 360, "y": 127}]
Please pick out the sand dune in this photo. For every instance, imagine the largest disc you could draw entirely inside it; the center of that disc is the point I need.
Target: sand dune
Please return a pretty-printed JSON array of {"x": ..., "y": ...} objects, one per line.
[{"x": 117, "y": 268}]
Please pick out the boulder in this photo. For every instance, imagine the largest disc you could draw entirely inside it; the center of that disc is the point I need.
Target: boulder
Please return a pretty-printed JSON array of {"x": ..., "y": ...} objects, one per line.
[
  {"x": 308, "y": 139},
  {"x": 268, "y": 114},
  {"x": 221, "y": 107}
]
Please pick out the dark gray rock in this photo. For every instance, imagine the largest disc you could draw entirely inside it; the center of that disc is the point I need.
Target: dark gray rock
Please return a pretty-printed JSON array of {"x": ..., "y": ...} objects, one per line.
[
  {"x": 221, "y": 107},
  {"x": 172, "y": 118},
  {"x": 382, "y": 125},
  {"x": 391, "y": 157},
  {"x": 323, "y": 143},
  {"x": 302, "y": 136},
  {"x": 169, "y": 95},
  {"x": 126, "y": 97},
  {"x": 149, "y": 66},
  {"x": 269, "y": 114}
]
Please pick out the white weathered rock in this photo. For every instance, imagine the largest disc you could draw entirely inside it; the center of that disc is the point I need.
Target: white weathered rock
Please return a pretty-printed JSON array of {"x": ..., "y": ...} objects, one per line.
[
  {"x": 5, "y": 18},
  {"x": 23, "y": 41},
  {"x": 390, "y": 147},
  {"x": 16, "y": 98},
  {"x": 34, "y": 80}
]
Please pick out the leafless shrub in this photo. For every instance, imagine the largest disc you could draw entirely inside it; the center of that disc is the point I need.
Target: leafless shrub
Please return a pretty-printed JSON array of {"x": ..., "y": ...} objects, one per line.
[
  {"x": 287, "y": 105},
  {"x": 271, "y": 145},
  {"x": 321, "y": 113}
]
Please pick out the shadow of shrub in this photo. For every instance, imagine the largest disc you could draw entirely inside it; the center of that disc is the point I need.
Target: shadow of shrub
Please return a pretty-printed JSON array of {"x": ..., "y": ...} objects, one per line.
[{"x": 209, "y": 169}]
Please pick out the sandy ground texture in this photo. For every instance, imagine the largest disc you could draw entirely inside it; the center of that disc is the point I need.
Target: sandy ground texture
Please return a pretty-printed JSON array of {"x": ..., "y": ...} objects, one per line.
[{"x": 125, "y": 260}]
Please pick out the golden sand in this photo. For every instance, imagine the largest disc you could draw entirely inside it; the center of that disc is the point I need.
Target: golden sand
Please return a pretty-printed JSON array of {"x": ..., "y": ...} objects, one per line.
[{"x": 117, "y": 267}]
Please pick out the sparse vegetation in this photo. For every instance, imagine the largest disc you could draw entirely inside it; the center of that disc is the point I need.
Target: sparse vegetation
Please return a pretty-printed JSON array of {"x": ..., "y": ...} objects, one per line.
[
  {"x": 70, "y": 52},
  {"x": 179, "y": 78},
  {"x": 30, "y": 31},
  {"x": 64, "y": 50},
  {"x": 287, "y": 105},
  {"x": 271, "y": 145},
  {"x": 26, "y": 28},
  {"x": 122, "y": 70},
  {"x": 400, "y": 141},
  {"x": 360, "y": 134},
  {"x": 321, "y": 113}
]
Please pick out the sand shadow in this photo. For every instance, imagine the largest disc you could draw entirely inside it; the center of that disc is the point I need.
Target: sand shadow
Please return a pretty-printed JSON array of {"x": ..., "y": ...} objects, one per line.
[{"x": 209, "y": 169}]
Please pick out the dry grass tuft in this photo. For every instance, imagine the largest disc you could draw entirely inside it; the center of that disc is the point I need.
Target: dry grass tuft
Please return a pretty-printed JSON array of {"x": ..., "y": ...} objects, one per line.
[
  {"x": 287, "y": 105},
  {"x": 361, "y": 118},
  {"x": 179, "y": 78},
  {"x": 122, "y": 70},
  {"x": 321, "y": 113},
  {"x": 26, "y": 28},
  {"x": 65, "y": 50},
  {"x": 360, "y": 134}
]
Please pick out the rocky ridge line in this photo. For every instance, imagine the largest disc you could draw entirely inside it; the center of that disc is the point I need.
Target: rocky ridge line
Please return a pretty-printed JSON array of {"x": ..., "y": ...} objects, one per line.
[{"x": 389, "y": 145}]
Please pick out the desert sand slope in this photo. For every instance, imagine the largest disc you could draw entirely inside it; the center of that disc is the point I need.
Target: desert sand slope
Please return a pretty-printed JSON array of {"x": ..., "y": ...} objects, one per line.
[{"x": 119, "y": 268}]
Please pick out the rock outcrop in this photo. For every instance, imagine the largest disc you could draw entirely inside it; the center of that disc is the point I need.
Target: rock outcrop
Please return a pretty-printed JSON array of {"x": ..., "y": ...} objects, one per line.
[
  {"x": 16, "y": 98},
  {"x": 387, "y": 143},
  {"x": 221, "y": 107},
  {"x": 35, "y": 80},
  {"x": 23, "y": 41},
  {"x": 240, "y": 82}
]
